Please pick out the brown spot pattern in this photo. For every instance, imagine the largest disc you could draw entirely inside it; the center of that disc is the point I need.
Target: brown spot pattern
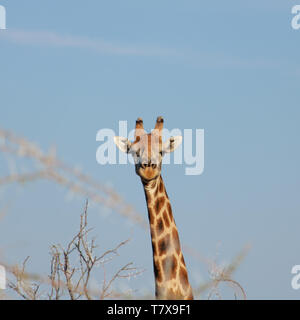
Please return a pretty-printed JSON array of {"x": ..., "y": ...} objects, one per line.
[
  {"x": 170, "y": 211},
  {"x": 184, "y": 278},
  {"x": 160, "y": 227},
  {"x": 151, "y": 216},
  {"x": 161, "y": 187},
  {"x": 170, "y": 267},
  {"x": 148, "y": 198},
  {"x": 166, "y": 219},
  {"x": 159, "y": 204},
  {"x": 154, "y": 248},
  {"x": 176, "y": 240},
  {"x": 152, "y": 232},
  {"x": 163, "y": 245},
  {"x": 157, "y": 272}
]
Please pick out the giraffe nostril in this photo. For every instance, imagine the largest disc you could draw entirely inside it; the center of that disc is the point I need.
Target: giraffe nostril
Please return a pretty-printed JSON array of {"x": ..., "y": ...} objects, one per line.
[
  {"x": 154, "y": 166},
  {"x": 143, "y": 165}
]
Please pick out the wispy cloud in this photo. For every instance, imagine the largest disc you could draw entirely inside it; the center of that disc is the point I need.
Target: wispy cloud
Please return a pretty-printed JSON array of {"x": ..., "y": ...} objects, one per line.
[
  {"x": 52, "y": 39},
  {"x": 202, "y": 60}
]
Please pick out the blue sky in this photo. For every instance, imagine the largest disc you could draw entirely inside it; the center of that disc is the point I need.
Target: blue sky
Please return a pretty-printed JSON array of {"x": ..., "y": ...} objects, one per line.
[{"x": 70, "y": 68}]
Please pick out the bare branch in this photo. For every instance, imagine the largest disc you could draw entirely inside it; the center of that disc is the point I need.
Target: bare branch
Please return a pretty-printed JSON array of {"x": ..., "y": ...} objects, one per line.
[{"x": 67, "y": 276}]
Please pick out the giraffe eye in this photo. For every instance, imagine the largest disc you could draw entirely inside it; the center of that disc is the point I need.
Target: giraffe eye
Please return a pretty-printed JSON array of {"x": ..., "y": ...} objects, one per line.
[{"x": 138, "y": 153}]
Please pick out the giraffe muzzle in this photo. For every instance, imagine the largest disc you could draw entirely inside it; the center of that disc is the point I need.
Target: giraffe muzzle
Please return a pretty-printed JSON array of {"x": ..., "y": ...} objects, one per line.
[{"x": 148, "y": 165}]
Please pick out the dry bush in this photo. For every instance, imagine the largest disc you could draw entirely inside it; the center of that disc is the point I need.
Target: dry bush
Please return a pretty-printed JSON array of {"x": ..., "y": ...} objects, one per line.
[
  {"x": 71, "y": 269},
  {"x": 223, "y": 275}
]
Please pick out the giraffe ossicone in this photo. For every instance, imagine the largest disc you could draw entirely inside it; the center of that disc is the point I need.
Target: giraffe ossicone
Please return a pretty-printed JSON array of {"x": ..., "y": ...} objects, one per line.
[{"x": 148, "y": 149}]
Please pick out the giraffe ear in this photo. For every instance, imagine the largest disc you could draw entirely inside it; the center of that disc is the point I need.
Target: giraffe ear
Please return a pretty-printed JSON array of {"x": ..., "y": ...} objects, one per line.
[
  {"x": 172, "y": 144},
  {"x": 123, "y": 144}
]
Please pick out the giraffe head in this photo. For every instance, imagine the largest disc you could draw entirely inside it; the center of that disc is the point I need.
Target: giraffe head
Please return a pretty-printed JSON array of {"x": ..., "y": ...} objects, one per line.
[{"x": 148, "y": 149}]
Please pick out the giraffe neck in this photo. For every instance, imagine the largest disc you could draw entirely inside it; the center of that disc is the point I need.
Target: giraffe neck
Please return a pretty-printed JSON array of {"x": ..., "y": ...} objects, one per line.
[{"x": 171, "y": 278}]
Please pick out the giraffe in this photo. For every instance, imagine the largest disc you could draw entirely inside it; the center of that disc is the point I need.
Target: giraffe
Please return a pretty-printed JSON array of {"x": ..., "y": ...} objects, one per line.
[{"x": 171, "y": 277}]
